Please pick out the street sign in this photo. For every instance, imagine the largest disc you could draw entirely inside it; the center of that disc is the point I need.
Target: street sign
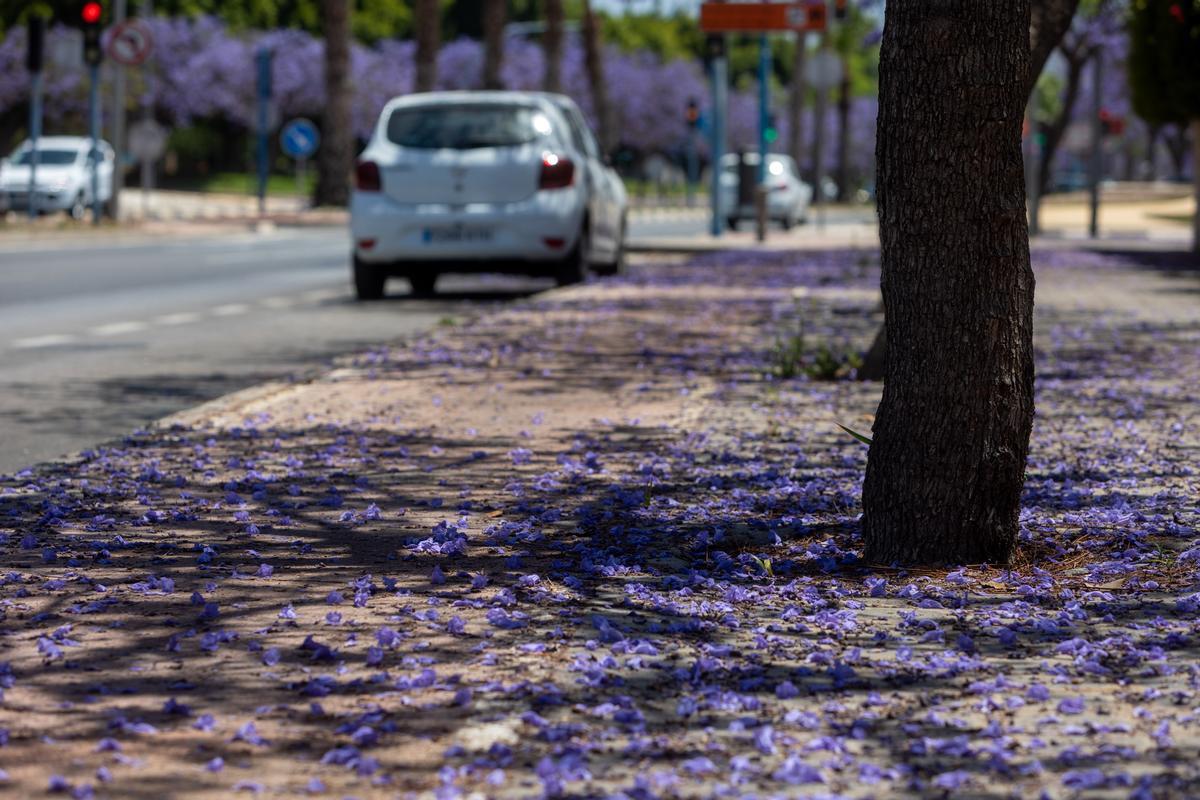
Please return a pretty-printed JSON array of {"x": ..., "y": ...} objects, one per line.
[
  {"x": 824, "y": 70},
  {"x": 130, "y": 43},
  {"x": 730, "y": 17},
  {"x": 299, "y": 139},
  {"x": 147, "y": 140}
]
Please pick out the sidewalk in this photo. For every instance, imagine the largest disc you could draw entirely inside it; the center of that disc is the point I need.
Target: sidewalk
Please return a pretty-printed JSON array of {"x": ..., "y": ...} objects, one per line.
[{"x": 583, "y": 547}]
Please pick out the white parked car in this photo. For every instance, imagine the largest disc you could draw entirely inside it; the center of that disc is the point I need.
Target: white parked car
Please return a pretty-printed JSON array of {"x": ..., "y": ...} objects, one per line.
[
  {"x": 483, "y": 182},
  {"x": 788, "y": 197},
  {"x": 64, "y": 175}
]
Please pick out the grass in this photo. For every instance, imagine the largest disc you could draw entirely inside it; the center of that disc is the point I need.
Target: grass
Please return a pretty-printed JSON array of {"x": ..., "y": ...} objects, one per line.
[{"x": 245, "y": 183}]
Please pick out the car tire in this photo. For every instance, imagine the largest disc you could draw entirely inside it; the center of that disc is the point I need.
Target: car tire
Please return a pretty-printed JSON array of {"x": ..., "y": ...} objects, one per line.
[
  {"x": 78, "y": 208},
  {"x": 617, "y": 265},
  {"x": 786, "y": 223},
  {"x": 423, "y": 285},
  {"x": 369, "y": 280},
  {"x": 731, "y": 223},
  {"x": 573, "y": 268}
]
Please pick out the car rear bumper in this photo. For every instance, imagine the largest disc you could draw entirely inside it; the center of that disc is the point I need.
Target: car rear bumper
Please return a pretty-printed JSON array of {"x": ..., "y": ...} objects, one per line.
[
  {"x": 46, "y": 201},
  {"x": 480, "y": 236}
]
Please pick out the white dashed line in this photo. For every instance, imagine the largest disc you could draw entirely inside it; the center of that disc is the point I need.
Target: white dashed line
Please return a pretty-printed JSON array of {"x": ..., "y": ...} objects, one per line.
[
  {"x": 49, "y": 340},
  {"x": 118, "y": 328},
  {"x": 230, "y": 310},
  {"x": 182, "y": 318},
  {"x": 277, "y": 302}
]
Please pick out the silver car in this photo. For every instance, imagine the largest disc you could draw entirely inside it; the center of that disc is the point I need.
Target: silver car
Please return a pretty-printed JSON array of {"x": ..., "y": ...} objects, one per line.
[{"x": 64, "y": 175}]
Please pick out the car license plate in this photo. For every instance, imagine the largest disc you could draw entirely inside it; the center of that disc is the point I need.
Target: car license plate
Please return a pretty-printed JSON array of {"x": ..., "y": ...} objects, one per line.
[{"x": 442, "y": 234}]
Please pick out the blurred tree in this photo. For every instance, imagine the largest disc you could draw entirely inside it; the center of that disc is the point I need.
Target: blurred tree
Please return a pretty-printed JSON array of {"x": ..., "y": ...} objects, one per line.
[
  {"x": 947, "y": 461},
  {"x": 852, "y": 40},
  {"x": 1164, "y": 72},
  {"x": 593, "y": 57},
  {"x": 1097, "y": 28},
  {"x": 495, "y": 13},
  {"x": 428, "y": 34},
  {"x": 1048, "y": 21},
  {"x": 336, "y": 156},
  {"x": 796, "y": 93},
  {"x": 552, "y": 43}
]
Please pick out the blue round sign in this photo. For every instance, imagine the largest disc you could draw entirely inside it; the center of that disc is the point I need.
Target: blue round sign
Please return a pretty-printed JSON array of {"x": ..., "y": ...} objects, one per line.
[{"x": 299, "y": 138}]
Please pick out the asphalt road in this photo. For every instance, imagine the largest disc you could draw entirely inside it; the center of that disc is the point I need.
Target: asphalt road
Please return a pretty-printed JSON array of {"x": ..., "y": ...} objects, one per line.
[{"x": 98, "y": 338}]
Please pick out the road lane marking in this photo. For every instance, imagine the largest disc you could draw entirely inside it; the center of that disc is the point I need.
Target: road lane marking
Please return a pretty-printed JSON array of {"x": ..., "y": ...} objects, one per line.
[
  {"x": 182, "y": 318},
  {"x": 49, "y": 340},
  {"x": 118, "y": 328},
  {"x": 230, "y": 310}
]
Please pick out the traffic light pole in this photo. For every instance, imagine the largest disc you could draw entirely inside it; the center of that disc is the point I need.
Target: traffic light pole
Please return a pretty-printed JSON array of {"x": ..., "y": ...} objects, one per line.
[
  {"x": 118, "y": 119},
  {"x": 264, "y": 99},
  {"x": 35, "y": 132},
  {"x": 1097, "y": 142},
  {"x": 94, "y": 132}
]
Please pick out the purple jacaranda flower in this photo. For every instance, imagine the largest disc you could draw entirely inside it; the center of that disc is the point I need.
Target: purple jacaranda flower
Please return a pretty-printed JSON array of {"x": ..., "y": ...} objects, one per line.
[
  {"x": 1037, "y": 693},
  {"x": 952, "y": 781},
  {"x": 1071, "y": 705},
  {"x": 205, "y": 722},
  {"x": 270, "y": 656},
  {"x": 173, "y": 706},
  {"x": 215, "y": 764},
  {"x": 249, "y": 733},
  {"x": 288, "y": 612},
  {"x": 437, "y": 577}
]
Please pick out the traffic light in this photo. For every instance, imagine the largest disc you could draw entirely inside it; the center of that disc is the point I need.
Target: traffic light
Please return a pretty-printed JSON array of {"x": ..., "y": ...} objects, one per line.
[
  {"x": 692, "y": 115},
  {"x": 772, "y": 132},
  {"x": 839, "y": 9},
  {"x": 90, "y": 16},
  {"x": 36, "y": 48},
  {"x": 1111, "y": 124}
]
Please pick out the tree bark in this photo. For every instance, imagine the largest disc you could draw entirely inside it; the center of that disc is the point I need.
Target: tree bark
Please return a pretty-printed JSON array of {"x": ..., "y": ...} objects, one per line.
[
  {"x": 427, "y": 18},
  {"x": 593, "y": 56},
  {"x": 337, "y": 147},
  {"x": 796, "y": 102},
  {"x": 947, "y": 461},
  {"x": 843, "y": 147},
  {"x": 552, "y": 45},
  {"x": 1048, "y": 22},
  {"x": 495, "y": 13}
]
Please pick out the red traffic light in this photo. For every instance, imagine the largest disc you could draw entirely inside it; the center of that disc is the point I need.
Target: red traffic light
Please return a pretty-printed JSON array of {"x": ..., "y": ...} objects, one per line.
[{"x": 91, "y": 13}]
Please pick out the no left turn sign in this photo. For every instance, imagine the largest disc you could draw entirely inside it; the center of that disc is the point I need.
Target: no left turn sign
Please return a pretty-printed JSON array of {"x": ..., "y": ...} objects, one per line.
[{"x": 130, "y": 43}]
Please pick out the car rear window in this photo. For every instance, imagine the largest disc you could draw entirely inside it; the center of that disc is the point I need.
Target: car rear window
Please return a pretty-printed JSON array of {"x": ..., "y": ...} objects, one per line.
[
  {"x": 48, "y": 157},
  {"x": 465, "y": 127}
]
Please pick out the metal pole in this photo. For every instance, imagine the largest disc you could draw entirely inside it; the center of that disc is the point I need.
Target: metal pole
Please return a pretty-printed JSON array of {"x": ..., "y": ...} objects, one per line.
[
  {"x": 35, "y": 132},
  {"x": 118, "y": 119},
  {"x": 147, "y": 116},
  {"x": 94, "y": 126},
  {"x": 264, "y": 97},
  {"x": 720, "y": 85},
  {"x": 691, "y": 166},
  {"x": 764, "y": 121},
  {"x": 1032, "y": 172},
  {"x": 1097, "y": 142}
]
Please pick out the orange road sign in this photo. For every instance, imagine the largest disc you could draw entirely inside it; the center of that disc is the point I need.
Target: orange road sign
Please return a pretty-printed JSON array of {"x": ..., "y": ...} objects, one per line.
[{"x": 730, "y": 17}]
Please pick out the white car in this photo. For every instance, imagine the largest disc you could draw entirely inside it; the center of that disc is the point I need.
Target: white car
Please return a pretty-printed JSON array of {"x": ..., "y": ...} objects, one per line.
[
  {"x": 483, "y": 182},
  {"x": 64, "y": 175},
  {"x": 788, "y": 197}
]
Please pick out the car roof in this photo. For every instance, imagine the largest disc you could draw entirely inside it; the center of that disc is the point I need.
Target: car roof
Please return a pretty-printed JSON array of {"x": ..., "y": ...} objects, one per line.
[
  {"x": 456, "y": 97},
  {"x": 62, "y": 143}
]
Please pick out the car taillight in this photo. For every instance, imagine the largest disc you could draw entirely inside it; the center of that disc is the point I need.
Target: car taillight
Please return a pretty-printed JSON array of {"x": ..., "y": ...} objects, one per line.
[
  {"x": 367, "y": 178},
  {"x": 558, "y": 172}
]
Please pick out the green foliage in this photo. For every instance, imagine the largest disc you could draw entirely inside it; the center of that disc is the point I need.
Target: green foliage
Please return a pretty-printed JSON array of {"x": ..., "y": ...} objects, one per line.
[
  {"x": 671, "y": 37},
  {"x": 790, "y": 357},
  {"x": 864, "y": 439},
  {"x": 1164, "y": 59},
  {"x": 1047, "y": 96}
]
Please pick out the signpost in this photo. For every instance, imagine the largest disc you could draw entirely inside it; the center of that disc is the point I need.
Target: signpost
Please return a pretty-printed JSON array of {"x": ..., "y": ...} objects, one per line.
[
  {"x": 761, "y": 17},
  {"x": 130, "y": 43},
  {"x": 720, "y": 18},
  {"x": 714, "y": 54},
  {"x": 299, "y": 139},
  {"x": 93, "y": 54},
  {"x": 37, "y": 38},
  {"x": 263, "y": 59},
  {"x": 147, "y": 143}
]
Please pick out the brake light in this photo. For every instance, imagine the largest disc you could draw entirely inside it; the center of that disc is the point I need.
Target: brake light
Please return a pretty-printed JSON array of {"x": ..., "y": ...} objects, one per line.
[
  {"x": 558, "y": 172},
  {"x": 367, "y": 178}
]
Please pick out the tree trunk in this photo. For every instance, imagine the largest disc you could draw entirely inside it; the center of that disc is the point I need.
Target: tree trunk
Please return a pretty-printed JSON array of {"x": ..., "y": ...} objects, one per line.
[
  {"x": 495, "y": 13},
  {"x": 337, "y": 147},
  {"x": 1176, "y": 140},
  {"x": 552, "y": 44},
  {"x": 796, "y": 103},
  {"x": 1048, "y": 22},
  {"x": 593, "y": 56},
  {"x": 1196, "y": 184},
  {"x": 1056, "y": 129},
  {"x": 428, "y": 32},
  {"x": 843, "y": 148},
  {"x": 946, "y": 467}
]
